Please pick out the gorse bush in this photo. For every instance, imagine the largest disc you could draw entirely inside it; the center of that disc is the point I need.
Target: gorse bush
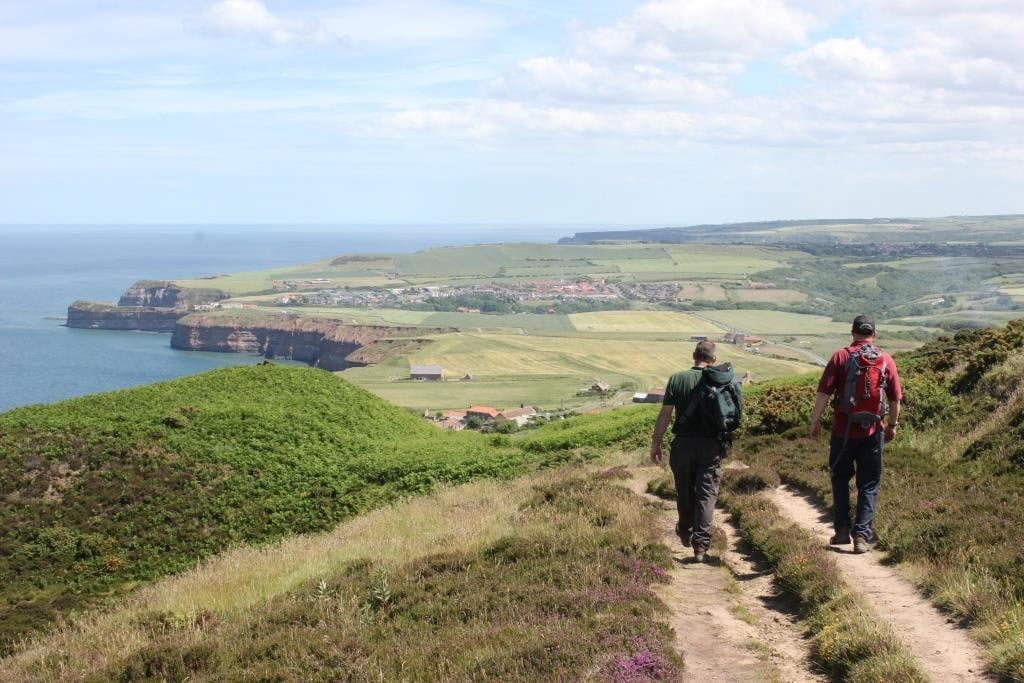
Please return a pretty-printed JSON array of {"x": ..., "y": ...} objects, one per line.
[{"x": 115, "y": 488}]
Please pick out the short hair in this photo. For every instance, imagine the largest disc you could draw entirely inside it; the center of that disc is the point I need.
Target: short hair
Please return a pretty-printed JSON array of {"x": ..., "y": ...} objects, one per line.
[{"x": 705, "y": 351}]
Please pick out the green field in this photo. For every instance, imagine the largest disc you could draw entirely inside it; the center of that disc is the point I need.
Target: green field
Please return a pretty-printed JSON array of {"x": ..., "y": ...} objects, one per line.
[
  {"x": 783, "y": 323},
  {"x": 547, "y": 371},
  {"x": 511, "y": 262},
  {"x": 643, "y": 321}
]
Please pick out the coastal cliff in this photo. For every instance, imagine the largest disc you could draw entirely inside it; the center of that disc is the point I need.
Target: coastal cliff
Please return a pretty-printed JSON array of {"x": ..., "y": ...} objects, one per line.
[
  {"x": 146, "y": 306},
  {"x": 326, "y": 344},
  {"x": 164, "y": 294},
  {"x": 106, "y": 316}
]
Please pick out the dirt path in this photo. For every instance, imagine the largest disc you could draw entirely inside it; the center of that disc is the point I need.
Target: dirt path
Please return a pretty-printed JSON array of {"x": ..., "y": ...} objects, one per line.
[
  {"x": 730, "y": 624},
  {"x": 943, "y": 650}
]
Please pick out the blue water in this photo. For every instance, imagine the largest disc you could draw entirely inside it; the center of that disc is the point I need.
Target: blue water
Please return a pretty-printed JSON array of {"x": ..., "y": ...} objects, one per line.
[{"x": 43, "y": 269}]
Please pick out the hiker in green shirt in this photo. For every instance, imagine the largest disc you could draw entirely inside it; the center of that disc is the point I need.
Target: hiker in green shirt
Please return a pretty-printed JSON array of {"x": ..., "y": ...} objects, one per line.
[{"x": 707, "y": 406}]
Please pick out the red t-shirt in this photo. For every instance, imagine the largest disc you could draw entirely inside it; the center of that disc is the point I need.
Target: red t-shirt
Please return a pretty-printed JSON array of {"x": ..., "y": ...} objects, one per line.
[{"x": 834, "y": 377}]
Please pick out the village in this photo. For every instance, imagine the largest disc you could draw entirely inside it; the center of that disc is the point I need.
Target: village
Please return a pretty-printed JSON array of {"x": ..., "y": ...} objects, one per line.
[{"x": 317, "y": 292}]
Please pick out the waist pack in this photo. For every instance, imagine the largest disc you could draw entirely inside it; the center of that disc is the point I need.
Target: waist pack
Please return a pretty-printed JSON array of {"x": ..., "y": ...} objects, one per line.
[{"x": 716, "y": 405}]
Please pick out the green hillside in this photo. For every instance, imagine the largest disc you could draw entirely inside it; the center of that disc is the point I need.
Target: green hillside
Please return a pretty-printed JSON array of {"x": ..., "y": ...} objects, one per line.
[{"x": 104, "y": 491}]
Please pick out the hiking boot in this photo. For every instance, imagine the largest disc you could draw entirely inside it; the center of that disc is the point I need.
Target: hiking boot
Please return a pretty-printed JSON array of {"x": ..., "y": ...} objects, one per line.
[
  {"x": 860, "y": 544},
  {"x": 841, "y": 537},
  {"x": 684, "y": 536},
  {"x": 699, "y": 553}
]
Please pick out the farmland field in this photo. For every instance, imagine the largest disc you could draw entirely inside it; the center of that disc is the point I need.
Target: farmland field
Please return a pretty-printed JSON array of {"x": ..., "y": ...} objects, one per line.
[
  {"x": 642, "y": 321},
  {"x": 771, "y": 295},
  {"x": 509, "y": 369},
  {"x": 511, "y": 262},
  {"x": 785, "y": 323}
]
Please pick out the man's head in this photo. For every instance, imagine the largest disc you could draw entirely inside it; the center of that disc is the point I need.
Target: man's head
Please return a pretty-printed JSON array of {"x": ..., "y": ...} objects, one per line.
[
  {"x": 863, "y": 327},
  {"x": 704, "y": 354}
]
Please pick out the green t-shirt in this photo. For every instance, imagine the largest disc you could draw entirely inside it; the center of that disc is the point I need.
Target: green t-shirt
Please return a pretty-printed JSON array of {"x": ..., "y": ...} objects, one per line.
[{"x": 677, "y": 393}]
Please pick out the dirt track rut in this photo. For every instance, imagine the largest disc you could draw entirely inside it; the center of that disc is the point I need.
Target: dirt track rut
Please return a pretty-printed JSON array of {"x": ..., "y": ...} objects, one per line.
[
  {"x": 708, "y": 600},
  {"x": 943, "y": 650}
]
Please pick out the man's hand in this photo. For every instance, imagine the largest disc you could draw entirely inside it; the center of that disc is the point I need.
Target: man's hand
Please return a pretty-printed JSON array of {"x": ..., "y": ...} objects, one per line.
[
  {"x": 815, "y": 429},
  {"x": 656, "y": 456},
  {"x": 890, "y": 433}
]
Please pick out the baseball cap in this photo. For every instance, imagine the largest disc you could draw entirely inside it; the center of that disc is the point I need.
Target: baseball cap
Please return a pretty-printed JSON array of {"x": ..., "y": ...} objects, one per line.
[{"x": 864, "y": 324}]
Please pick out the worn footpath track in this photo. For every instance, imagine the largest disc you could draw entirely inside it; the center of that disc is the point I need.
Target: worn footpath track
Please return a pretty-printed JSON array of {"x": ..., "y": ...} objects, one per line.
[
  {"x": 943, "y": 650},
  {"x": 730, "y": 622}
]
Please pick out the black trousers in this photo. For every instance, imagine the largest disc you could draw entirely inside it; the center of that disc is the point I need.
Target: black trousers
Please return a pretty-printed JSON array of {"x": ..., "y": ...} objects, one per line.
[{"x": 696, "y": 464}]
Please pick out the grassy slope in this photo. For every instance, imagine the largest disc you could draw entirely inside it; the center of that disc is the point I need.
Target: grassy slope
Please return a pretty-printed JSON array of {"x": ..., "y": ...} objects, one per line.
[
  {"x": 106, "y": 490},
  {"x": 401, "y": 593}
]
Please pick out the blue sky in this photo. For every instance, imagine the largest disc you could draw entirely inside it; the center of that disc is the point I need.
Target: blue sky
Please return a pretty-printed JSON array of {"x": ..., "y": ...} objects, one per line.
[{"x": 508, "y": 111}]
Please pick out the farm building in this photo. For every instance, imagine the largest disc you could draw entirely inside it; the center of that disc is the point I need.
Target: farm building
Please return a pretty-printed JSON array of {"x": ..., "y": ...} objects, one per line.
[
  {"x": 734, "y": 337},
  {"x": 451, "y": 423},
  {"x": 752, "y": 339},
  {"x": 427, "y": 372},
  {"x": 655, "y": 396},
  {"x": 600, "y": 387},
  {"x": 483, "y": 412},
  {"x": 640, "y": 397},
  {"x": 698, "y": 337},
  {"x": 519, "y": 415}
]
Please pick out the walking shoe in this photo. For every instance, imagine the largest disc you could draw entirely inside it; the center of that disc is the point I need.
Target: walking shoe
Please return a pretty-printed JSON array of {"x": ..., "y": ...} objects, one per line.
[
  {"x": 684, "y": 536},
  {"x": 699, "y": 552},
  {"x": 860, "y": 544},
  {"x": 841, "y": 537}
]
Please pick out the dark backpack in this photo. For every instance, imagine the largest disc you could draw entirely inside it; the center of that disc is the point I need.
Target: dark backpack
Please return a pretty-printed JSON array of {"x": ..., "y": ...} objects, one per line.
[
  {"x": 863, "y": 395},
  {"x": 717, "y": 403}
]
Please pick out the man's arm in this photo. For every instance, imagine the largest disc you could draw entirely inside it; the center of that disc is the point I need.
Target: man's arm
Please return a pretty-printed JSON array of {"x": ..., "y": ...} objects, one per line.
[
  {"x": 664, "y": 419},
  {"x": 819, "y": 409},
  {"x": 895, "y": 395}
]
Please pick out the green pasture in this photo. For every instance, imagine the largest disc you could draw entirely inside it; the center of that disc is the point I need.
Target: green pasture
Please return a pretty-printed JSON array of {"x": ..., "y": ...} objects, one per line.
[
  {"x": 642, "y": 322},
  {"x": 984, "y": 317},
  {"x": 769, "y": 295},
  {"x": 510, "y": 369},
  {"x": 513, "y": 262},
  {"x": 785, "y": 323}
]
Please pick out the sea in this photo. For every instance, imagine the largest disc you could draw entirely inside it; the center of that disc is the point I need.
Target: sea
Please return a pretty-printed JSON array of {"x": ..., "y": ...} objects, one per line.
[{"x": 45, "y": 268}]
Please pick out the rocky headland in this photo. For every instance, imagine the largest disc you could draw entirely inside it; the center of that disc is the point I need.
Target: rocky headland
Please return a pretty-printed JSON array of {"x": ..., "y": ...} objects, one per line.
[
  {"x": 147, "y": 306},
  {"x": 99, "y": 315}
]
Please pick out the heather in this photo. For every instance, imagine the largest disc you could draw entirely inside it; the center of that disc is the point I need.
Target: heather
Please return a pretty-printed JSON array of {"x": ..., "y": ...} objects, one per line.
[{"x": 564, "y": 593}]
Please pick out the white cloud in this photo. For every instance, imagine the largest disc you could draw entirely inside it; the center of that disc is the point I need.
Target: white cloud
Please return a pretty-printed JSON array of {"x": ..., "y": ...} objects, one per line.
[
  {"x": 130, "y": 102},
  {"x": 554, "y": 79},
  {"x": 251, "y": 17},
  {"x": 406, "y": 21},
  {"x": 933, "y": 63},
  {"x": 932, "y": 8},
  {"x": 701, "y": 32}
]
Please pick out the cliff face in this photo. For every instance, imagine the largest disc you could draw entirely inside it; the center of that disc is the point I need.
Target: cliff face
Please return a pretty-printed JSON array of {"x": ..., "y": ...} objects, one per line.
[
  {"x": 326, "y": 344},
  {"x": 162, "y": 294},
  {"x": 104, "y": 316}
]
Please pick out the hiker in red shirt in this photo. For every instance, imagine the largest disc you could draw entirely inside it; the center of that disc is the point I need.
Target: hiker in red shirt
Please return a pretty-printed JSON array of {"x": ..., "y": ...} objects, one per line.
[{"x": 864, "y": 386}]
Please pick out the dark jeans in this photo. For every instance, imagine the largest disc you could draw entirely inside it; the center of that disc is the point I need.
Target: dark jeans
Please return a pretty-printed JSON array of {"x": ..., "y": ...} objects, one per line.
[
  {"x": 862, "y": 457},
  {"x": 696, "y": 464}
]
